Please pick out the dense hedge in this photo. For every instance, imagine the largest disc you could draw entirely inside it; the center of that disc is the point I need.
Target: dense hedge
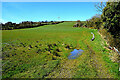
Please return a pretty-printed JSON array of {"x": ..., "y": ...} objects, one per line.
[
  {"x": 109, "y": 21},
  {"x": 26, "y": 24}
]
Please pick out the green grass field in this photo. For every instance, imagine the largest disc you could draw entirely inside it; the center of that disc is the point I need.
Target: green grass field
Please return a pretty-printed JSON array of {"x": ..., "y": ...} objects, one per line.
[{"x": 42, "y": 52}]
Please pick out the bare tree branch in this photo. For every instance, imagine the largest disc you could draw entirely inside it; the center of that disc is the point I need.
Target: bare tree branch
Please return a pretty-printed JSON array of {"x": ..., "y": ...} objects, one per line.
[{"x": 100, "y": 6}]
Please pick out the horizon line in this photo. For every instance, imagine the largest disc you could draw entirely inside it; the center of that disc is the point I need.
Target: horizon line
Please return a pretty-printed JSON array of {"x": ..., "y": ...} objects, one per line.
[{"x": 34, "y": 21}]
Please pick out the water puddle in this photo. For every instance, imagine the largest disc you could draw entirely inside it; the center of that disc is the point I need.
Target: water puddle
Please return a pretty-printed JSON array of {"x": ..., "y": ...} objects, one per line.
[{"x": 75, "y": 53}]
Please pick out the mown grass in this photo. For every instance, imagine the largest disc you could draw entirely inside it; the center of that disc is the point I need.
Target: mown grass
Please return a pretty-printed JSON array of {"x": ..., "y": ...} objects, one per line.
[{"x": 37, "y": 52}]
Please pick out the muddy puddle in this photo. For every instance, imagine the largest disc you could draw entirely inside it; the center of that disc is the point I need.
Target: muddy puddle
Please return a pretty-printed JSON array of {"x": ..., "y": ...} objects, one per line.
[{"x": 75, "y": 53}]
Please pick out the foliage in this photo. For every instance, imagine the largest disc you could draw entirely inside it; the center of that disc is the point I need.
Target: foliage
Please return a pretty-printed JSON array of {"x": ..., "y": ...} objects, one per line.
[
  {"x": 111, "y": 21},
  {"x": 108, "y": 23},
  {"x": 107, "y": 36},
  {"x": 111, "y": 18},
  {"x": 100, "y": 6},
  {"x": 79, "y": 23},
  {"x": 26, "y": 24},
  {"x": 94, "y": 22}
]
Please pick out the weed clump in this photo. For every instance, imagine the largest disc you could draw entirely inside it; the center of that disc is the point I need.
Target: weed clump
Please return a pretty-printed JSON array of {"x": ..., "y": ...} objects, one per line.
[
  {"x": 30, "y": 46},
  {"x": 37, "y": 41},
  {"x": 114, "y": 56},
  {"x": 39, "y": 50},
  {"x": 36, "y": 46}
]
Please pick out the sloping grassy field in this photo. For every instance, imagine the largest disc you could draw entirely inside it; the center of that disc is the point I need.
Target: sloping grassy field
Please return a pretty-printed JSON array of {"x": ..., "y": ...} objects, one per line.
[{"x": 42, "y": 53}]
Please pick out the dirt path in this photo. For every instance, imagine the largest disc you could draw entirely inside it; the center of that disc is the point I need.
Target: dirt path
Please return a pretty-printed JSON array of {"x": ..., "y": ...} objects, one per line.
[
  {"x": 68, "y": 68},
  {"x": 98, "y": 63},
  {"x": 65, "y": 70}
]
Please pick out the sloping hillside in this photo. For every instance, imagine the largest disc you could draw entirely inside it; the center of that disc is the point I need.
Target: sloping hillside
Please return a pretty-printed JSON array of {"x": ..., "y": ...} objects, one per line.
[{"x": 43, "y": 52}]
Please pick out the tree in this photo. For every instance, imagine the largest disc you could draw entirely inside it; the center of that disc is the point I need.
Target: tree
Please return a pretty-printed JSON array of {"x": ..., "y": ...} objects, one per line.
[
  {"x": 94, "y": 22},
  {"x": 79, "y": 23},
  {"x": 111, "y": 21},
  {"x": 111, "y": 17},
  {"x": 100, "y": 6}
]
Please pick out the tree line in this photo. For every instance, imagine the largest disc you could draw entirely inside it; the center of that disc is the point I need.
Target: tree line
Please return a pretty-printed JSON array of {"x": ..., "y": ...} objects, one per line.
[
  {"x": 107, "y": 23},
  {"x": 26, "y": 24}
]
